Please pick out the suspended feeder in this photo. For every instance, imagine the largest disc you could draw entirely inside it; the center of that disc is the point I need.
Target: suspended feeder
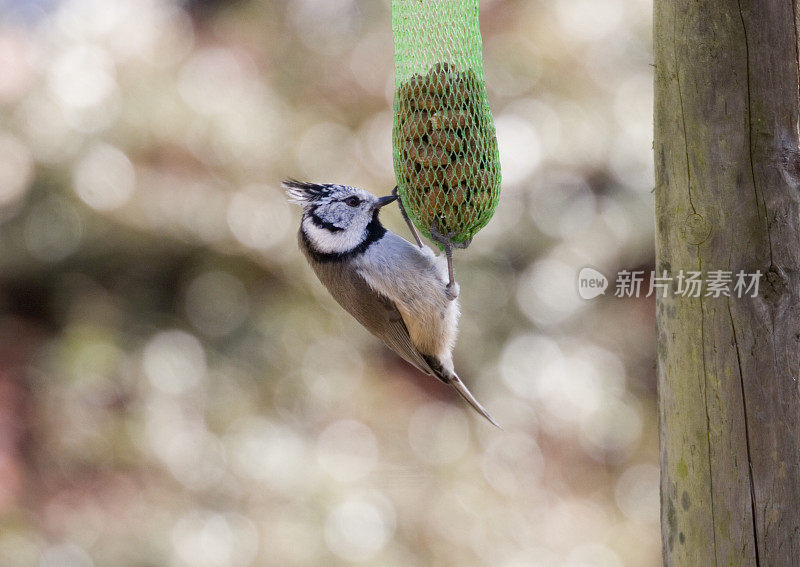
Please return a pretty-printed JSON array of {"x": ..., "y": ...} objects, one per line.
[{"x": 444, "y": 145}]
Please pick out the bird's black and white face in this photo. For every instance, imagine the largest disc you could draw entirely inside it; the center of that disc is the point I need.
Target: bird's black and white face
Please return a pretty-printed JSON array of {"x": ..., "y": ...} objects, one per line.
[{"x": 336, "y": 218}]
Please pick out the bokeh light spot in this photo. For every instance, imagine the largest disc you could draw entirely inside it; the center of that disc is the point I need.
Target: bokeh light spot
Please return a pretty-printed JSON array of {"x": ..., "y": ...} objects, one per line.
[
  {"x": 104, "y": 178},
  {"x": 637, "y": 493},
  {"x": 65, "y": 555},
  {"x": 519, "y": 146},
  {"x": 326, "y": 151},
  {"x": 174, "y": 362},
  {"x": 589, "y": 20},
  {"x": 562, "y": 204},
  {"x": 438, "y": 432},
  {"x": 611, "y": 432},
  {"x": 258, "y": 217},
  {"x": 512, "y": 463},
  {"x": 214, "y": 80},
  {"x": 332, "y": 369},
  {"x": 547, "y": 292},
  {"x": 592, "y": 555},
  {"x": 16, "y": 169},
  {"x": 522, "y": 360},
  {"x": 358, "y": 528},
  {"x": 347, "y": 450},
  {"x": 208, "y": 539},
  {"x": 83, "y": 76},
  {"x": 269, "y": 452}
]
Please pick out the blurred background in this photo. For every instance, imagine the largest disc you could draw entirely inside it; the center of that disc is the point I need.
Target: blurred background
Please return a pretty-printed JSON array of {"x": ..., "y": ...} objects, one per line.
[{"x": 177, "y": 389}]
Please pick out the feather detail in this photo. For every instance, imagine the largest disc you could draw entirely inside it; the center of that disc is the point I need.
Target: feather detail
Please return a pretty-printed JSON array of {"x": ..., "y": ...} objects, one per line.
[{"x": 302, "y": 192}]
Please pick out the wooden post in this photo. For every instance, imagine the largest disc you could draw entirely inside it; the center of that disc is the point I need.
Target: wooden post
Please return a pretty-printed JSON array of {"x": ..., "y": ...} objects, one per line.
[{"x": 728, "y": 198}]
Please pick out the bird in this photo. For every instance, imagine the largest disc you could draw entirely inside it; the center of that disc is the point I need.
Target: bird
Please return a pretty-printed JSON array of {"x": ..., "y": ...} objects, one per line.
[{"x": 398, "y": 291}]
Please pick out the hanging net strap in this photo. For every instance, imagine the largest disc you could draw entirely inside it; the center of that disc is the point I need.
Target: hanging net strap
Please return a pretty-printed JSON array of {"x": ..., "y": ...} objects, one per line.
[{"x": 444, "y": 144}]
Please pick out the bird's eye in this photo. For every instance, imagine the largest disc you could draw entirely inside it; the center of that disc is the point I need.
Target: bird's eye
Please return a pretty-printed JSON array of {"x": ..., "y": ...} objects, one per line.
[{"x": 352, "y": 201}]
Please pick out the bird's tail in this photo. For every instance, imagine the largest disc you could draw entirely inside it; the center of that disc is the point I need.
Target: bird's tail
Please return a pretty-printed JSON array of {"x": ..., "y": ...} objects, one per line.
[
  {"x": 449, "y": 377},
  {"x": 464, "y": 392}
]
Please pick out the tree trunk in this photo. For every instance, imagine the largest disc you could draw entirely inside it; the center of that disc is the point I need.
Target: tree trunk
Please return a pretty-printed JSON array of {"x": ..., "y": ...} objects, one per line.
[{"x": 728, "y": 198}]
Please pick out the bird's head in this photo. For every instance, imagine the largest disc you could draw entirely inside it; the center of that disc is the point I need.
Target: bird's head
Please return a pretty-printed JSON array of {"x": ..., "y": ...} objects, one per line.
[{"x": 336, "y": 218}]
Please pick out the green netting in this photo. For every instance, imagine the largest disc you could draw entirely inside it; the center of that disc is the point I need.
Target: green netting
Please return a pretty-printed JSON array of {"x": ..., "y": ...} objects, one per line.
[{"x": 445, "y": 150}]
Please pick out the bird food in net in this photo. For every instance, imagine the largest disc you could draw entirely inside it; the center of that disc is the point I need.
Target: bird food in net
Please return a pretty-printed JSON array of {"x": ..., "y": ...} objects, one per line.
[{"x": 444, "y": 145}]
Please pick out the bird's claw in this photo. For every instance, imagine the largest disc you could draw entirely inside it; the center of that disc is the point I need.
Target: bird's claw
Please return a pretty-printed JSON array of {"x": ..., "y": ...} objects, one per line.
[
  {"x": 451, "y": 291},
  {"x": 439, "y": 238},
  {"x": 447, "y": 239}
]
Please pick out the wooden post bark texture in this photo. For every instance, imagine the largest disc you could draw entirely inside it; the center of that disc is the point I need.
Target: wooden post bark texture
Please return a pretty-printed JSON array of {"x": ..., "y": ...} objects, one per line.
[{"x": 728, "y": 198}]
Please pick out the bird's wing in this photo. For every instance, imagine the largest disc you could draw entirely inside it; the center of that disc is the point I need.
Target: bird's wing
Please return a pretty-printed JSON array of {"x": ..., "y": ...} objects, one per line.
[{"x": 377, "y": 313}]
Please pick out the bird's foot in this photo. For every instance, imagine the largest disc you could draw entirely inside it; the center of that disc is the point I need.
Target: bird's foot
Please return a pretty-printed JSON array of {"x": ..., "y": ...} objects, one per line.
[
  {"x": 446, "y": 240},
  {"x": 442, "y": 239},
  {"x": 451, "y": 291},
  {"x": 462, "y": 245}
]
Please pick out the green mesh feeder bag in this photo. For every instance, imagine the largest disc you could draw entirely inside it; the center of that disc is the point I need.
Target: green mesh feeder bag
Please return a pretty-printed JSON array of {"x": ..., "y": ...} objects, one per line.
[{"x": 444, "y": 144}]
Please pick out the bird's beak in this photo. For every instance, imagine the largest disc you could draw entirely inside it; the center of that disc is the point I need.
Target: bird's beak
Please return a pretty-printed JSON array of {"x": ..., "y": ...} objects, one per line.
[
  {"x": 462, "y": 390},
  {"x": 383, "y": 201}
]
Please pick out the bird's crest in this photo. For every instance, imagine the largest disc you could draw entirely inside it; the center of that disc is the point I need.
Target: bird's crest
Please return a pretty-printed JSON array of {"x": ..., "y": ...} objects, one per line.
[{"x": 301, "y": 192}]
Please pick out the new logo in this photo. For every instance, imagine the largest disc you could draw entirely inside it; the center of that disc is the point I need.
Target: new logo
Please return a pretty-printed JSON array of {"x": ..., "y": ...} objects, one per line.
[{"x": 591, "y": 283}]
